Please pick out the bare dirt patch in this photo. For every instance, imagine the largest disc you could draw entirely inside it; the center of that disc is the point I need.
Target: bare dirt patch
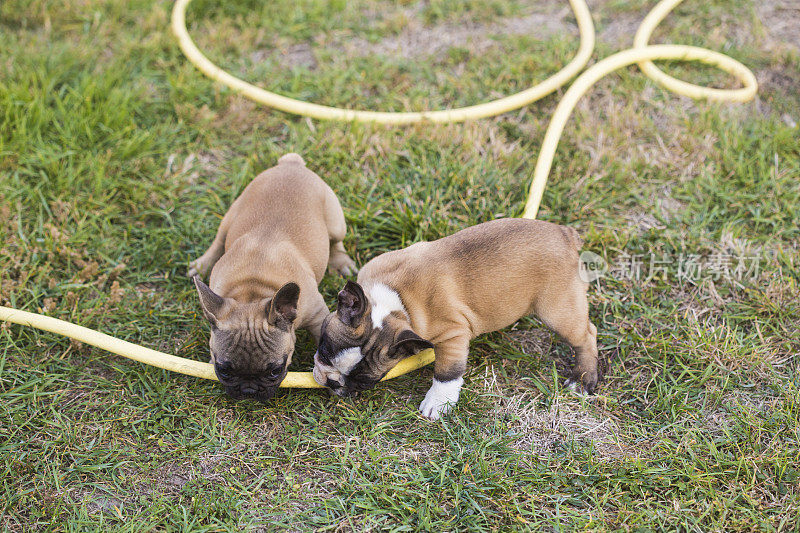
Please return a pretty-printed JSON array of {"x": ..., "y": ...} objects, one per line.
[
  {"x": 781, "y": 23},
  {"x": 418, "y": 40},
  {"x": 543, "y": 432}
]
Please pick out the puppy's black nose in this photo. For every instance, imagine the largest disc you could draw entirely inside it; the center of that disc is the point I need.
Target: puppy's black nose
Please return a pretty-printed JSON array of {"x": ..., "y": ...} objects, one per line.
[
  {"x": 224, "y": 370},
  {"x": 333, "y": 385}
]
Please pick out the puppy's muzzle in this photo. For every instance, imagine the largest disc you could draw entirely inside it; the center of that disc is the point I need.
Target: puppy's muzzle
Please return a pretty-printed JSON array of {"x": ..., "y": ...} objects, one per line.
[
  {"x": 329, "y": 377},
  {"x": 247, "y": 393},
  {"x": 249, "y": 386}
]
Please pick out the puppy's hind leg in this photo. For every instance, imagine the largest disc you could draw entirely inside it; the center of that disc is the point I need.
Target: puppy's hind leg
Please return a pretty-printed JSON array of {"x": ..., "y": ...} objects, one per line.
[
  {"x": 568, "y": 315},
  {"x": 202, "y": 265},
  {"x": 448, "y": 372},
  {"x": 338, "y": 260},
  {"x": 314, "y": 324},
  {"x": 586, "y": 372}
]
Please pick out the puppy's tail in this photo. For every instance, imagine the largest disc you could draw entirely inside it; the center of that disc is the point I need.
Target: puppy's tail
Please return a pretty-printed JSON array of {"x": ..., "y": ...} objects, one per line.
[{"x": 291, "y": 157}]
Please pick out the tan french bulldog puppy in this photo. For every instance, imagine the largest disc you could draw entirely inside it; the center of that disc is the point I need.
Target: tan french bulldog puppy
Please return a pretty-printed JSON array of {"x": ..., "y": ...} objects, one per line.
[
  {"x": 268, "y": 257},
  {"x": 443, "y": 293}
]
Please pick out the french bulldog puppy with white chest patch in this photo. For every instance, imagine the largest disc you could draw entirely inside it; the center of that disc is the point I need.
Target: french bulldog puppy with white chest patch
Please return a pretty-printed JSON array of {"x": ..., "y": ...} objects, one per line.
[
  {"x": 269, "y": 255},
  {"x": 441, "y": 294}
]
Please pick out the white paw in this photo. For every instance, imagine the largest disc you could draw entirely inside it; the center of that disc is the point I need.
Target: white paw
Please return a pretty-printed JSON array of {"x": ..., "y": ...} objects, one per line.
[
  {"x": 434, "y": 408},
  {"x": 441, "y": 398},
  {"x": 574, "y": 387}
]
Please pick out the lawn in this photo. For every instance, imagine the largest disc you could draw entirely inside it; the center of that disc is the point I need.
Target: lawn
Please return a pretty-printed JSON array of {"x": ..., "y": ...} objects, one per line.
[{"x": 118, "y": 159}]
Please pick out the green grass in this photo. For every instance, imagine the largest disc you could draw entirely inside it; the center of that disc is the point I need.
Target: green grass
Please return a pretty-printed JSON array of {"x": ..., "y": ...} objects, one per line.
[{"x": 117, "y": 159}]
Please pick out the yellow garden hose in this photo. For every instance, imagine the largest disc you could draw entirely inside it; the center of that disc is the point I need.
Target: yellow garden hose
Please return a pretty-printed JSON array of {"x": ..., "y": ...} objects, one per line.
[
  {"x": 622, "y": 59},
  {"x": 164, "y": 360},
  {"x": 298, "y": 107},
  {"x": 641, "y": 54}
]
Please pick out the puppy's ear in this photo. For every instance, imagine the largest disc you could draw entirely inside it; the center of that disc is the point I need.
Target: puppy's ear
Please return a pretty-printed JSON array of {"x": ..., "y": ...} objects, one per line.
[
  {"x": 283, "y": 307},
  {"x": 408, "y": 343},
  {"x": 210, "y": 301},
  {"x": 352, "y": 304}
]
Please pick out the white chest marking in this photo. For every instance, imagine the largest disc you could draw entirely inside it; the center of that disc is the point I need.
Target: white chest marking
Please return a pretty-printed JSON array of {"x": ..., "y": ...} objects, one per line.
[{"x": 383, "y": 300}]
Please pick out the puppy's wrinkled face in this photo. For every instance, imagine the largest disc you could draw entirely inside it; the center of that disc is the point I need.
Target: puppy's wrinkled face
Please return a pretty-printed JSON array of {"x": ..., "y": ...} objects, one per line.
[
  {"x": 354, "y": 354},
  {"x": 251, "y": 344}
]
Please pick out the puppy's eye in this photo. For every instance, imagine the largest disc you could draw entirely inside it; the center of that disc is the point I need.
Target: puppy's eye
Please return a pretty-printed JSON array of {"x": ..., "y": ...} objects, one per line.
[{"x": 275, "y": 373}]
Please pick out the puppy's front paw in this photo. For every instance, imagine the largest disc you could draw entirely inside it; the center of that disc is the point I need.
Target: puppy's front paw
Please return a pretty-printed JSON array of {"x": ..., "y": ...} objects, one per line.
[
  {"x": 433, "y": 408},
  {"x": 441, "y": 398}
]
